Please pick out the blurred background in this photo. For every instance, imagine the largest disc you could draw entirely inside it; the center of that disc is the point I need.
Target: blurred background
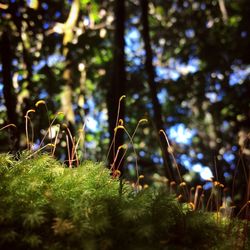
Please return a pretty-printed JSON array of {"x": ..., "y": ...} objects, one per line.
[{"x": 184, "y": 65}]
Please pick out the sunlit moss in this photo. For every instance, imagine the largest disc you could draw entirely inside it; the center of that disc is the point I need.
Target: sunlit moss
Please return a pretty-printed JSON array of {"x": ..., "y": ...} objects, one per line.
[{"x": 46, "y": 204}]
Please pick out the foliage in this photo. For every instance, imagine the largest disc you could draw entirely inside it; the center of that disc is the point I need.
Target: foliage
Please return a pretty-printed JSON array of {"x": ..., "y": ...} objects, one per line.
[
  {"x": 45, "y": 205},
  {"x": 201, "y": 64}
]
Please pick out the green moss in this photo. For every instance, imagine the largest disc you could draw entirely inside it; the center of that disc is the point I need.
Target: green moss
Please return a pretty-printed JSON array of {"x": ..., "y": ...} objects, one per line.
[{"x": 45, "y": 205}]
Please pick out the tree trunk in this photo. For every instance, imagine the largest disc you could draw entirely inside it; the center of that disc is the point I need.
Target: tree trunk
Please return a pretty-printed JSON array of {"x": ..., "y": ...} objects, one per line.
[
  {"x": 117, "y": 82},
  {"x": 8, "y": 90},
  {"x": 157, "y": 114},
  {"x": 68, "y": 73},
  {"x": 67, "y": 90}
]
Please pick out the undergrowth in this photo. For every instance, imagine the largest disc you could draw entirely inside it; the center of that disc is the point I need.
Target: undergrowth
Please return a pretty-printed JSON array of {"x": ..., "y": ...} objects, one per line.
[{"x": 46, "y": 205}]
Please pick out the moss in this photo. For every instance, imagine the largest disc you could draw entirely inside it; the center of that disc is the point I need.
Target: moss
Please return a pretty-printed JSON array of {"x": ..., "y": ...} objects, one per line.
[{"x": 45, "y": 205}]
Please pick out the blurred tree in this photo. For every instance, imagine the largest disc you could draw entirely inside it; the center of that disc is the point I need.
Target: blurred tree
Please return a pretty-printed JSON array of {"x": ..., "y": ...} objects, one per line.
[
  {"x": 8, "y": 90},
  {"x": 204, "y": 43},
  {"x": 157, "y": 113},
  {"x": 68, "y": 36},
  {"x": 117, "y": 86},
  {"x": 73, "y": 55}
]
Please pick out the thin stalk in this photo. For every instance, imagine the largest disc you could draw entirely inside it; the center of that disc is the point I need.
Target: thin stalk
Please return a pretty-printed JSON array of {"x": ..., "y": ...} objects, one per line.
[
  {"x": 112, "y": 144},
  {"x": 69, "y": 158},
  {"x": 241, "y": 210},
  {"x": 196, "y": 196},
  {"x": 55, "y": 142},
  {"x": 200, "y": 203},
  {"x": 116, "y": 156},
  {"x": 47, "y": 145},
  {"x": 131, "y": 141},
  {"x": 73, "y": 145},
  {"x": 77, "y": 143},
  {"x": 27, "y": 118},
  {"x": 170, "y": 150},
  {"x": 7, "y": 126},
  {"x": 27, "y": 131},
  {"x": 136, "y": 157},
  {"x": 49, "y": 129},
  {"x": 42, "y": 102}
]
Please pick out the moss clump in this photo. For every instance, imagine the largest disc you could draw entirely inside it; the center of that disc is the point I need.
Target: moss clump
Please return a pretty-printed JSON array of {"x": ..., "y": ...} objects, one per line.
[{"x": 45, "y": 205}]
